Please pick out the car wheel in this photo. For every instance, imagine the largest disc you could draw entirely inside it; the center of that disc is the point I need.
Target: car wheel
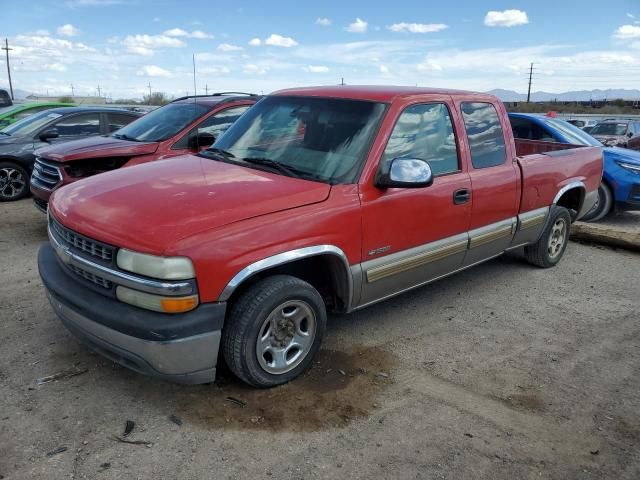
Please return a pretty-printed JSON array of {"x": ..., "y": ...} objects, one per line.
[
  {"x": 273, "y": 331},
  {"x": 550, "y": 247},
  {"x": 14, "y": 182},
  {"x": 603, "y": 205}
]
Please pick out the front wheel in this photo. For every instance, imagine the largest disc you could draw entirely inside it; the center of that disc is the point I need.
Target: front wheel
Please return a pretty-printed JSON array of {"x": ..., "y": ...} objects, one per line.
[
  {"x": 550, "y": 247},
  {"x": 273, "y": 331},
  {"x": 14, "y": 182},
  {"x": 603, "y": 205}
]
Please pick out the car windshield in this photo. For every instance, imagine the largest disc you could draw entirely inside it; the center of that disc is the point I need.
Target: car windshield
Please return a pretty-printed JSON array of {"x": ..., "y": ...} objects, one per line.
[
  {"x": 572, "y": 133},
  {"x": 30, "y": 124},
  {"x": 318, "y": 139},
  {"x": 609, "y": 129},
  {"x": 162, "y": 123}
]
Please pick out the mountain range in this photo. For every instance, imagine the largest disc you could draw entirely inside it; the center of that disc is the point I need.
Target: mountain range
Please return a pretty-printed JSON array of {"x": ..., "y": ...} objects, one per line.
[{"x": 573, "y": 96}]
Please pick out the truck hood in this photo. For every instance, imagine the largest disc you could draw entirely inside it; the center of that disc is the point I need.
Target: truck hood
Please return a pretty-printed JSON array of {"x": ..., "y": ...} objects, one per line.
[
  {"x": 95, "y": 147},
  {"x": 149, "y": 207}
]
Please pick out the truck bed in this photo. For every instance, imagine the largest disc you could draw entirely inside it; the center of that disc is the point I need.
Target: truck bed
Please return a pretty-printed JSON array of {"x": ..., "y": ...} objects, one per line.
[{"x": 558, "y": 165}]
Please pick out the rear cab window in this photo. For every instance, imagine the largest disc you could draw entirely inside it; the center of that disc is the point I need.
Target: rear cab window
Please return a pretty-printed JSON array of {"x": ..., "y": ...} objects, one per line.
[
  {"x": 426, "y": 132},
  {"x": 484, "y": 134}
]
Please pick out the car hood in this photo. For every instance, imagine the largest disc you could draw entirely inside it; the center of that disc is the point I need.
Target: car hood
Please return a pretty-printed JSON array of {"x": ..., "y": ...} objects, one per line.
[
  {"x": 149, "y": 207},
  {"x": 622, "y": 154},
  {"x": 95, "y": 147}
]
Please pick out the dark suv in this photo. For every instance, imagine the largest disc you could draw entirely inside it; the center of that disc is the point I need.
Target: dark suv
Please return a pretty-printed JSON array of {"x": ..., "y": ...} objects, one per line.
[
  {"x": 19, "y": 141},
  {"x": 186, "y": 125}
]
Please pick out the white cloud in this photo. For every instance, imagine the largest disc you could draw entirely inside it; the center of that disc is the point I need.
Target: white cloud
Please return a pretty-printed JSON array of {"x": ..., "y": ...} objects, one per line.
[
  {"x": 153, "y": 71},
  {"x": 146, "y": 44},
  {"x": 631, "y": 15},
  {"x": 384, "y": 69},
  {"x": 156, "y": 19},
  {"x": 68, "y": 30},
  {"x": 280, "y": 41},
  {"x": 359, "y": 26},
  {"x": 44, "y": 33},
  {"x": 214, "y": 70},
  {"x": 627, "y": 32},
  {"x": 506, "y": 18},
  {"x": 316, "y": 69},
  {"x": 323, "y": 21},
  {"x": 252, "y": 69},
  {"x": 227, "y": 47},
  {"x": 417, "y": 27},
  {"x": 255, "y": 42},
  {"x": 179, "y": 32}
]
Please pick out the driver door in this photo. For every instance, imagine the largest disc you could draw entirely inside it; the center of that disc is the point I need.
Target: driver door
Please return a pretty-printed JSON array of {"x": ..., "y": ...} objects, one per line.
[{"x": 414, "y": 235}]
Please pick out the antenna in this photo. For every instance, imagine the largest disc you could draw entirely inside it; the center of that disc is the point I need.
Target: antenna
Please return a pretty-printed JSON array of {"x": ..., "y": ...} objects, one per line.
[{"x": 195, "y": 94}]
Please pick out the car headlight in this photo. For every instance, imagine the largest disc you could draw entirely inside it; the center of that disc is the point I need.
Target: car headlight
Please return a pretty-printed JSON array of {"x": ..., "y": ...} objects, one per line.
[
  {"x": 165, "y": 268},
  {"x": 156, "y": 302},
  {"x": 632, "y": 167}
]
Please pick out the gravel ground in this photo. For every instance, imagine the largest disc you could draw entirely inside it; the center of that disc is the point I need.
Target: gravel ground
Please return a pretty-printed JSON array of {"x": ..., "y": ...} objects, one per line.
[{"x": 503, "y": 371}]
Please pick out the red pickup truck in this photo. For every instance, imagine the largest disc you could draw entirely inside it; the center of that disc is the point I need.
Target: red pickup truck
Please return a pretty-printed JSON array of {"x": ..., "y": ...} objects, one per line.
[
  {"x": 186, "y": 125},
  {"x": 315, "y": 200}
]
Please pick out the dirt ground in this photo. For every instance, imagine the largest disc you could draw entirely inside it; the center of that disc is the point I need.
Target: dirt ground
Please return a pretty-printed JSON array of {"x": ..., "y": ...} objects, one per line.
[{"x": 503, "y": 371}]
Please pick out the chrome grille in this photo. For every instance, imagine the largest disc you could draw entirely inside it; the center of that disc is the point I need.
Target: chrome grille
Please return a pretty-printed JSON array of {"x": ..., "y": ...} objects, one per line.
[
  {"x": 75, "y": 240},
  {"x": 101, "y": 282},
  {"x": 45, "y": 175}
]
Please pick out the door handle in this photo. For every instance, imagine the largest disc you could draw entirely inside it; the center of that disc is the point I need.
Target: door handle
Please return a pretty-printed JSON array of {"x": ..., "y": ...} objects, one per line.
[{"x": 461, "y": 196}]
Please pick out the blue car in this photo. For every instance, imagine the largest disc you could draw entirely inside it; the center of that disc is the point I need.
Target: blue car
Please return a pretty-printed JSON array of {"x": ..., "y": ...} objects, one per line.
[{"x": 620, "y": 189}]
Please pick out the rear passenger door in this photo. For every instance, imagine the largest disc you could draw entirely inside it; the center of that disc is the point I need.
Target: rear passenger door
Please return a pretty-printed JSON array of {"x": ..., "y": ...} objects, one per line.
[
  {"x": 413, "y": 235},
  {"x": 495, "y": 181}
]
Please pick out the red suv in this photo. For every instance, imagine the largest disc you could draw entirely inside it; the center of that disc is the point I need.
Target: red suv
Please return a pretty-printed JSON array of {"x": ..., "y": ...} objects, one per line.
[{"x": 186, "y": 125}]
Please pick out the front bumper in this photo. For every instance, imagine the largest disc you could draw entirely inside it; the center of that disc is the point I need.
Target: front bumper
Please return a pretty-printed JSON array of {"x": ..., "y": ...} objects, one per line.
[{"x": 178, "y": 347}]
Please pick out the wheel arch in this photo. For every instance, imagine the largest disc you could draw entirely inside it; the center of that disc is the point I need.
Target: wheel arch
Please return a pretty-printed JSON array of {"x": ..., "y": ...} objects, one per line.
[
  {"x": 571, "y": 197},
  {"x": 325, "y": 267}
]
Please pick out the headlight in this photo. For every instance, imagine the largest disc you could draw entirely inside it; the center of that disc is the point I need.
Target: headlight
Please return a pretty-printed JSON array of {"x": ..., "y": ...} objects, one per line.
[
  {"x": 156, "y": 302},
  {"x": 165, "y": 268},
  {"x": 632, "y": 167}
]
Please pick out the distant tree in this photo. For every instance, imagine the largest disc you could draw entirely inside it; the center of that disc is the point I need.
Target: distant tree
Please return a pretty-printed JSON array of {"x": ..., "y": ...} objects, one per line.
[
  {"x": 156, "y": 98},
  {"x": 66, "y": 100}
]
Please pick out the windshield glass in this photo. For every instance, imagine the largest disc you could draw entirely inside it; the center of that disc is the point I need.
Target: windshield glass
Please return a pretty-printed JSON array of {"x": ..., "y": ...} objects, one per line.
[
  {"x": 163, "y": 122},
  {"x": 30, "y": 124},
  {"x": 609, "y": 129},
  {"x": 573, "y": 134},
  {"x": 318, "y": 138}
]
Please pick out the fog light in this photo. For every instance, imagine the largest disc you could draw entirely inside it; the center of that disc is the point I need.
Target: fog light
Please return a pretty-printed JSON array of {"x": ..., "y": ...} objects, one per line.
[{"x": 156, "y": 302}]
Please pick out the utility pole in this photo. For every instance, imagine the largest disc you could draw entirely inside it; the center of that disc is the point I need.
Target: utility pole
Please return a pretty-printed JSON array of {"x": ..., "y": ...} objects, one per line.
[
  {"x": 6, "y": 49},
  {"x": 149, "y": 92},
  {"x": 99, "y": 90},
  {"x": 72, "y": 91},
  {"x": 341, "y": 80},
  {"x": 206, "y": 89},
  {"x": 530, "y": 78}
]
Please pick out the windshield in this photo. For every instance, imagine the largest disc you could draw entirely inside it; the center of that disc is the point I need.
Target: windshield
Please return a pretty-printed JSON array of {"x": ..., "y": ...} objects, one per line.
[
  {"x": 318, "y": 138},
  {"x": 162, "y": 123},
  {"x": 30, "y": 124},
  {"x": 609, "y": 129},
  {"x": 573, "y": 134}
]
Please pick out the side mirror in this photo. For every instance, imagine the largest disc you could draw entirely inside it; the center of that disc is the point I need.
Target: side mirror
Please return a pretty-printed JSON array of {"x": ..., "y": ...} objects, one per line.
[
  {"x": 404, "y": 173},
  {"x": 202, "y": 140},
  {"x": 630, "y": 134},
  {"x": 49, "y": 133}
]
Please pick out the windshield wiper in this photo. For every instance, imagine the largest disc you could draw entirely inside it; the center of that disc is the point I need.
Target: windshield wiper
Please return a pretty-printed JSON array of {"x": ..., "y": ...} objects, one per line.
[
  {"x": 5, "y": 133},
  {"x": 267, "y": 162},
  {"x": 221, "y": 151},
  {"x": 122, "y": 136}
]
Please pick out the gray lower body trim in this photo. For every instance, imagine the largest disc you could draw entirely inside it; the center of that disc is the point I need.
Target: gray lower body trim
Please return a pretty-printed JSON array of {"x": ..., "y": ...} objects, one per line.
[
  {"x": 487, "y": 241},
  {"x": 530, "y": 226},
  {"x": 186, "y": 360}
]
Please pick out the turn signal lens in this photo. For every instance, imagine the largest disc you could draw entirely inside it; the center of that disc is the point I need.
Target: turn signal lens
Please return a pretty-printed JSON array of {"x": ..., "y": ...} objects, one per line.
[{"x": 156, "y": 302}]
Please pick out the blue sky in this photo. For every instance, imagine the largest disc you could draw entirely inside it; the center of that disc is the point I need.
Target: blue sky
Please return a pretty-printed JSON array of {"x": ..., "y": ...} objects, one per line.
[{"x": 123, "y": 45}]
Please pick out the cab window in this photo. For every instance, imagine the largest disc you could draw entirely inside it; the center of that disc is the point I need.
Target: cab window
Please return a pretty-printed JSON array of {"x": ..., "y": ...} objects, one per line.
[
  {"x": 215, "y": 125},
  {"x": 426, "y": 132},
  {"x": 484, "y": 131},
  {"x": 79, "y": 125}
]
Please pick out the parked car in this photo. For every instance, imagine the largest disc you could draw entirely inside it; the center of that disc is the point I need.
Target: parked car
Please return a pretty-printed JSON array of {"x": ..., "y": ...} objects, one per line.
[
  {"x": 618, "y": 133},
  {"x": 18, "y": 112},
  {"x": 316, "y": 199},
  {"x": 19, "y": 141},
  {"x": 620, "y": 188},
  {"x": 5, "y": 99},
  {"x": 185, "y": 125}
]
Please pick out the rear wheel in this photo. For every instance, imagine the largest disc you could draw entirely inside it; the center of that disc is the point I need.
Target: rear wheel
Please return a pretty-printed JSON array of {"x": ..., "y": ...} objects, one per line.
[
  {"x": 548, "y": 250},
  {"x": 14, "y": 182},
  {"x": 273, "y": 331},
  {"x": 603, "y": 205}
]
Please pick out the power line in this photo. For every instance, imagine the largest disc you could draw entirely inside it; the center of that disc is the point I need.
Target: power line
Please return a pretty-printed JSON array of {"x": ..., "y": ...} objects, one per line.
[{"x": 6, "y": 49}]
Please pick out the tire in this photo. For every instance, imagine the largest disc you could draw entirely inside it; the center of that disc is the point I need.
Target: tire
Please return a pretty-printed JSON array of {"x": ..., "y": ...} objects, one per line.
[
  {"x": 14, "y": 182},
  {"x": 550, "y": 247},
  {"x": 273, "y": 331},
  {"x": 603, "y": 205}
]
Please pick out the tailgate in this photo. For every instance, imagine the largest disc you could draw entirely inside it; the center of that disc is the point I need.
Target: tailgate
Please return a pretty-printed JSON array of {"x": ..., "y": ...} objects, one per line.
[{"x": 545, "y": 174}]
